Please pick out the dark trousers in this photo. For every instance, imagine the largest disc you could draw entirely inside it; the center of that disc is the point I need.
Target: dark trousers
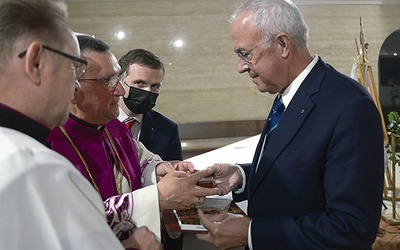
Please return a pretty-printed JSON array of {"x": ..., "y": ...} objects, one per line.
[{"x": 172, "y": 244}]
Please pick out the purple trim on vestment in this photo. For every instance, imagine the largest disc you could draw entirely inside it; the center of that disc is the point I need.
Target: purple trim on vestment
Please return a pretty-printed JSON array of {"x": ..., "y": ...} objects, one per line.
[{"x": 94, "y": 147}]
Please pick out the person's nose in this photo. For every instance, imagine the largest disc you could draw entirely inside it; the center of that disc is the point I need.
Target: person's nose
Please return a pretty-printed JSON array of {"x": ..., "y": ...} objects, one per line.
[
  {"x": 148, "y": 88},
  {"x": 242, "y": 66},
  {"x": 119, "y": 89},
  {"x": 77, "y": 85}
]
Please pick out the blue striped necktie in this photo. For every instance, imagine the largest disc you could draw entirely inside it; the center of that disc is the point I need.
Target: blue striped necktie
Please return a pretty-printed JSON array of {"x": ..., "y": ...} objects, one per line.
[
  {"x": 275, "y": 116},
  {"x": 272, "y": 122}
]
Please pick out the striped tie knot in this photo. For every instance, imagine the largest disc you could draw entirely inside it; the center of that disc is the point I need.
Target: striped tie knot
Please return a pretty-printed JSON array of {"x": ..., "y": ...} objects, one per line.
[{"x": 129, "y": 123}]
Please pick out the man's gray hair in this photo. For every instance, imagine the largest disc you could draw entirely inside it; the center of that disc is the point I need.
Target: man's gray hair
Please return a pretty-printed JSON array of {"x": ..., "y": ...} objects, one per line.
[
  {"x": 42, "y": 20},
  {"x": 273, "y": 16}
]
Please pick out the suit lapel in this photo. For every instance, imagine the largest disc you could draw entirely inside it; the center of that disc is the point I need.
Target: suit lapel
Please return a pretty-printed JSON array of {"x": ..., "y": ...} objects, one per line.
[
  {"x": 295, "y": 114},
  {"x": 289, "y": 124},
  {"x": 259, "y": 146},
  {"x": 148, "y": 131}
]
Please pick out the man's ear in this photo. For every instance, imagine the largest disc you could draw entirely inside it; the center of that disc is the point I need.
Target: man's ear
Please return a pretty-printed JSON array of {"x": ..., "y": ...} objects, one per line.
[
  {"x": 34, "y": 61},
  {"x": 283, "y": 41}
]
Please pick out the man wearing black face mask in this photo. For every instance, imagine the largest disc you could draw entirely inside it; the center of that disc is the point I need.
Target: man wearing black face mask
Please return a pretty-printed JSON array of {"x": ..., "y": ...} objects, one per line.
[
  {"x": 142, "y": 79},
  {"x": 140, "y": 101}
]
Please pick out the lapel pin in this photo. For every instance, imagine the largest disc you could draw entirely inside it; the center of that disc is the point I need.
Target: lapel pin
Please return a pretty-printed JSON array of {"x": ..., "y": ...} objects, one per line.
[{"x": 302, "y": 111}]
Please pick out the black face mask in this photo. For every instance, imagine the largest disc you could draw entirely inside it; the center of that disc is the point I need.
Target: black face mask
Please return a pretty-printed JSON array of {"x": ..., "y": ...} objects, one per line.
[{"x": 140, "y": 101}]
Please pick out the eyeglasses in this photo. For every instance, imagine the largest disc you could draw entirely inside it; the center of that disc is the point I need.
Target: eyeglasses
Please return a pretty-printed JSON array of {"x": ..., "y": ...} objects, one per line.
[
  {"x": 111, "y": 82},
  {"x": 122, "y": 76},
  {"x": 78, "y": 63},
  {"x": 248, "y": 55}
]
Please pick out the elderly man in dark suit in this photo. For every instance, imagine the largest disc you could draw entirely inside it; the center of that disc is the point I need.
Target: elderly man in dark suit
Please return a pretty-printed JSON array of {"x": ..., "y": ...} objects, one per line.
[{"x": 317, "y": 175}]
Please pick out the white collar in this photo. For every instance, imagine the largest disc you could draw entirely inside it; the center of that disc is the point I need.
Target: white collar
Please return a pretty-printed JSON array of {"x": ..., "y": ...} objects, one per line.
[
  {"x": 123, "y": 116},
  {"x": 291, "y": 90}
]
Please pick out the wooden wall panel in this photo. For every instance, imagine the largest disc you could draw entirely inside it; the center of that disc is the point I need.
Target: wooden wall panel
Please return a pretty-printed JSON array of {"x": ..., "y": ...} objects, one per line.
[{"x": 201, "y": 82}]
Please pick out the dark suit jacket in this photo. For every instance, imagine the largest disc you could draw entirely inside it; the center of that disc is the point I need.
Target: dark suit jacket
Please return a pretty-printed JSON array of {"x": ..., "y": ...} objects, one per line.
[
  {"x": 319, "y": 183},
  {"x": 160, "y": 135}
]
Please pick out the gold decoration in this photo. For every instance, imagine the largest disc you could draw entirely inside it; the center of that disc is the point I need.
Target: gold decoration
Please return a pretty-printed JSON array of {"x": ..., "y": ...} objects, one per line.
[{"x": 122, "y": 168}]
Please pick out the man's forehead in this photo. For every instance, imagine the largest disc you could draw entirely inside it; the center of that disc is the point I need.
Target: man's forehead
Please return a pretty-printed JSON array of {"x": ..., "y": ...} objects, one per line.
[
  {"x": 71, "y": 42},
  {"x": 101, "y": 62},
  {"x": 243, "y": 32},
  {"x": 136, "y": 68}
]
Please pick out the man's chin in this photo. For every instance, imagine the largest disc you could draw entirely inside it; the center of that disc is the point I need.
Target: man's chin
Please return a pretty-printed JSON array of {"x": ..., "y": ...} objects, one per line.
[
  {"x": 262, "y": 88},
  {"x": 59, "y": 121}
]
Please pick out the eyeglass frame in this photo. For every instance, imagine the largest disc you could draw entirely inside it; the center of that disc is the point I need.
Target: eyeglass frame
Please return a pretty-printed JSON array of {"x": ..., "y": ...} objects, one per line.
[
  {"x": 71, "y": 57},
  {"x": 106, "y": 80},
  {"x": 243, "y": 56}
]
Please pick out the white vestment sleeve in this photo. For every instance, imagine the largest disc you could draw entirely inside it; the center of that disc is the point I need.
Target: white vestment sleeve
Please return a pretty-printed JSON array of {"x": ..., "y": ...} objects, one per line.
[
  {"x": 140, "y": 207},
  {"x": 45, "y": 202},
  {"x": 134, "y": 209},
  {"x": 147, "y": 208},
  {"x": 147, "y": 211},
  {"x": 148, "y": 162}
]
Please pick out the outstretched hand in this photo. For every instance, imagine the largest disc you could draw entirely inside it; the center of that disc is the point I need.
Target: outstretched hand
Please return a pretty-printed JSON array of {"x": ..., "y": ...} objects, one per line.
[
  {"x": 166, "y": 167},
  {"x": 225, "y": 231},
  {"x": 185, "y": 166},
  {"x": 142, "y": 238},
  {"x": 226, "y": 176},
  {"x": 178, "y": 190}
]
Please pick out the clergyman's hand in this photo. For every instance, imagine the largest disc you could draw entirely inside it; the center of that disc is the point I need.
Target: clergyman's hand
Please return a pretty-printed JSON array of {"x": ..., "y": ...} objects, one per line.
[
  {"x": 142, "y": 238},
  {"x": 177, "y": 190},
  {"x": 166, "y": 167},
  {"x": 185, "y": 166}
]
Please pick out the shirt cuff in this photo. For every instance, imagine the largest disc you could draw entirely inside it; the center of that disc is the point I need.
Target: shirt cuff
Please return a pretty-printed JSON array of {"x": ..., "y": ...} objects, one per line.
[
  {"x": 241, "y": 189},
  {"x": 249, "y": 242}
]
